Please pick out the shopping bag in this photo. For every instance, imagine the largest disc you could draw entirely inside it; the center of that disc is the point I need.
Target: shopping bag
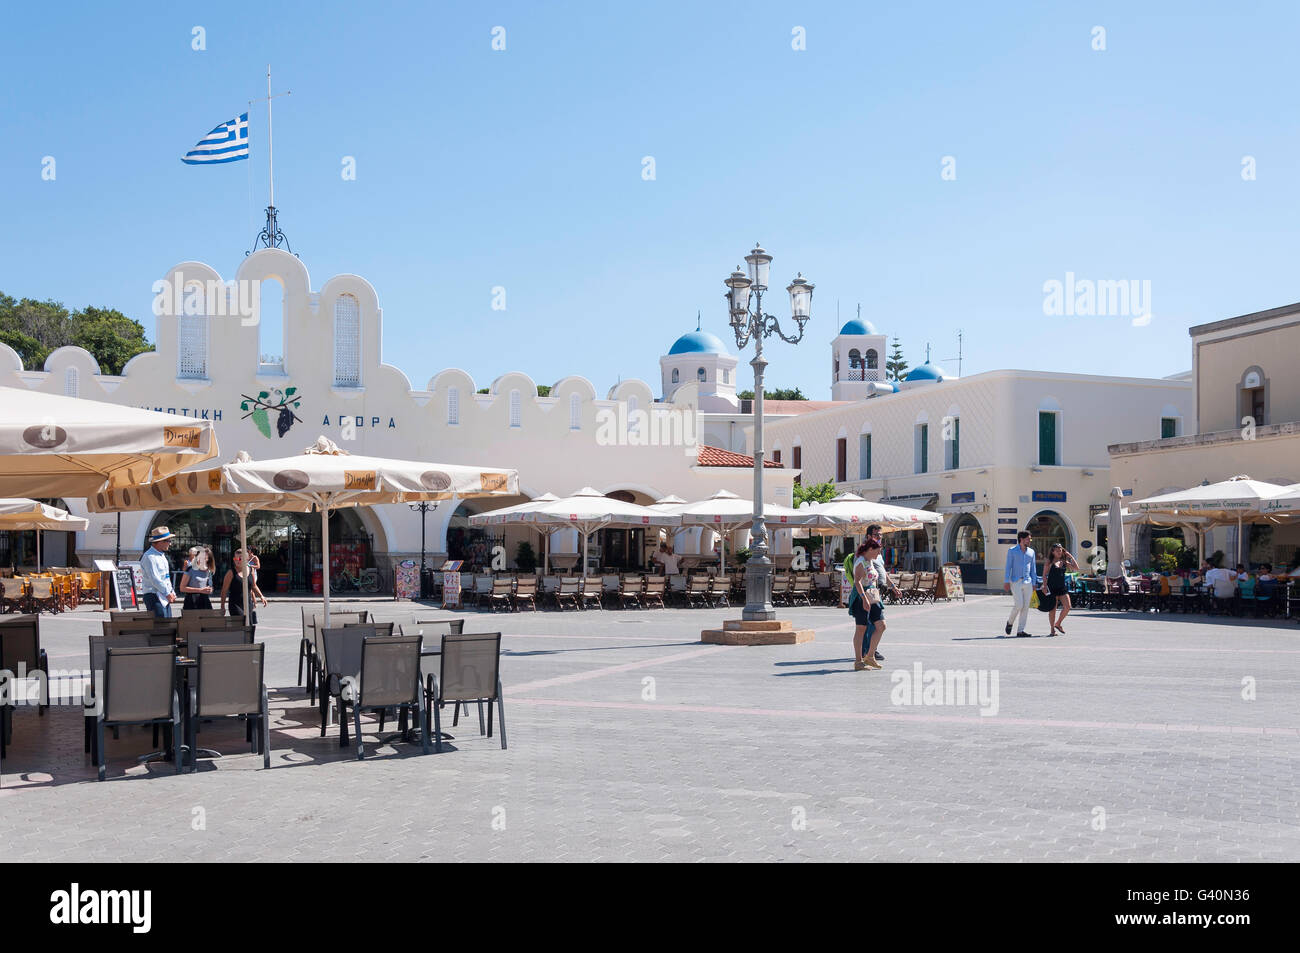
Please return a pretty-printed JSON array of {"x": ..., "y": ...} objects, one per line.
[{"x": 1033, "y": 601}]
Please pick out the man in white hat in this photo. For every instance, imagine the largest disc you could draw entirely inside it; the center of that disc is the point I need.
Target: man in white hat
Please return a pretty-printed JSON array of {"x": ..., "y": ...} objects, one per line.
[{"x": 157, "y": 572}]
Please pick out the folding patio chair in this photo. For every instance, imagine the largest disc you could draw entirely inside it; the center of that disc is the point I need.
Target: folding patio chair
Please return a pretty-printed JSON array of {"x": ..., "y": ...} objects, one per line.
[
  {"x": 630, "y": 592},
  {"x": 388, "y": 677},
  {"x": 697, "y": 590},
  {"x": 228, "y": 683},
  {"x": 593, "y": 591},
  {"x": 568, "y": 593},
  {"x": 139, "y": 689},
  {"x": 655, "y": 588},
  {"x": 500, "y": 593},
  {"x": 720, "y": 590},
  {"x": 526, "y": 592},
  {"x": 469, "y": 671}
]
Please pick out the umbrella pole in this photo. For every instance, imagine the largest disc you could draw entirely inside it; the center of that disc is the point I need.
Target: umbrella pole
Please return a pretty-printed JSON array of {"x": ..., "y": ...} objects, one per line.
[
  {"x": 243, "y": 544},
  {"x": 585, "y": 537},
  {"x": 38, "y": 550},
  {"x": 325, "y": 557},
  {"x": 1238, "y": 540}
]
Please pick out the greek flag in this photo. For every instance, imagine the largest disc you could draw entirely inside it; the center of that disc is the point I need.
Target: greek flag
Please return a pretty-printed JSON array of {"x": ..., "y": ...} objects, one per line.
[{"x": 227, "y": 143}]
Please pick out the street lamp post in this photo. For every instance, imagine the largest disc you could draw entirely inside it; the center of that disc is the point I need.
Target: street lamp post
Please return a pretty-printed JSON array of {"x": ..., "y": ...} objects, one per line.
[
  {"x": 748, "y": 323},
  {"x": 422, "y": 507}
]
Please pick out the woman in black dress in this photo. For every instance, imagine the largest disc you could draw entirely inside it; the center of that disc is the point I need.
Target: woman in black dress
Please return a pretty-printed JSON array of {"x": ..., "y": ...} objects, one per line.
[
  {"x": 232, "y": 589},
  {"x": 1058, "y": 560}
]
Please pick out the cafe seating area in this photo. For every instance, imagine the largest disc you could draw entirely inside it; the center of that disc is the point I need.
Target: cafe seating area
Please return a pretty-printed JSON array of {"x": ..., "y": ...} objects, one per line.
[
  {"x": 55, "y": 589},
  {"x": 1274, "y": 598},
  {"x": 174, "y": 676}
]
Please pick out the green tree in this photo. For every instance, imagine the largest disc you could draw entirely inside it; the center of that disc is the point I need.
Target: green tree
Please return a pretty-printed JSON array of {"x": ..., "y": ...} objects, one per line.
[
  {"x": 543, "y": 390},
  {"x": 110, "y": 336},
  {"x": 36, "y": 328},
  {"x": 781, "y": 393},
  {"x": 813, "y": 492},
  {"x": 895, "y": 365}
]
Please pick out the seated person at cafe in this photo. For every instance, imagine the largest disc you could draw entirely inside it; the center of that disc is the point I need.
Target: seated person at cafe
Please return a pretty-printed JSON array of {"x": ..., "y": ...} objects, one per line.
[{"x": 1222, "y": 584}]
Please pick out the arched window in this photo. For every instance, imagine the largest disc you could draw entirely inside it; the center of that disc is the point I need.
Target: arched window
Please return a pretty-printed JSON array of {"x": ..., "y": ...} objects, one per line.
[
  {"x": 701, "y": 375},
  {"x": 453, "y": 406},
  {"x": 347, "y": 341},
  {"x": 192, "y": 336},
  {"x": 270, "y": 326},
  {"x": 575, "y": 411},
  {"x": 516, "y": 409},
  {"x": 71, "y": 382},
  {"x": 873, "y": 359},
  {"x": 1254, "y": 395},
  {"x": 855, "y": 358},
  {"x": 676, "y": 376}
]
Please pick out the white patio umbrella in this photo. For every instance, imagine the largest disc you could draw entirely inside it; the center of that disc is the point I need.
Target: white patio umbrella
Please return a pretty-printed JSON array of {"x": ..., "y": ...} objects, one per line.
[
  {"x": 849, "y": 514},
  {"x": 725, "y": 512},
  {"x": 62, "y": 446},
  {"x": 588, "y": 510},
  {"x": 1197, "y": 524},
  {"x": 1239, "y": 500},
  {"x": 1285, "y": 502},
  {"x": 23, "y": 514},
  {"x": 322, "y": 478},
  {"x": 509, "y": 514},
  {"x": 1115, "y": 535}
]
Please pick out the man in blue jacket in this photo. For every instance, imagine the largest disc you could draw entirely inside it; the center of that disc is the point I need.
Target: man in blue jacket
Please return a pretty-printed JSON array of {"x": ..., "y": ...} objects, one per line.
[
  {"x": 1020, "y": 579},
  {"x": 158, "y": 592}
]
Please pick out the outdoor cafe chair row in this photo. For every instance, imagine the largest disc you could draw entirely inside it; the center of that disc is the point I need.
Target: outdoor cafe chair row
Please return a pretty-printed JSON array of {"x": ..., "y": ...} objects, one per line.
[{"x": 144, "y": 685}]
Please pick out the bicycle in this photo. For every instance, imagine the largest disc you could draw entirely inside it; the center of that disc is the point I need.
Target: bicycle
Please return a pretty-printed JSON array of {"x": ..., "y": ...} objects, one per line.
[{"x": 365, "y": 580}]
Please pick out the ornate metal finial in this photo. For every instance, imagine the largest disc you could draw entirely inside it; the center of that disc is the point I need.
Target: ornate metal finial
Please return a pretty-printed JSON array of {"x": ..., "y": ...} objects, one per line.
[
  {"x": 270, "y": 236},
  {"x": 697, "y": 320}
]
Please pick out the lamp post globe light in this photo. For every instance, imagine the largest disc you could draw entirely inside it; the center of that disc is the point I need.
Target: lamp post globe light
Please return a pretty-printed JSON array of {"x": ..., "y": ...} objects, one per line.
[{"x": 745, "y": 303}]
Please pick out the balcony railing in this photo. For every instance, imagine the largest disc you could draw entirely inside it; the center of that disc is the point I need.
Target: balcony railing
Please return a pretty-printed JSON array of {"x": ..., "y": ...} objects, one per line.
[{"x": 860, "y": 374}]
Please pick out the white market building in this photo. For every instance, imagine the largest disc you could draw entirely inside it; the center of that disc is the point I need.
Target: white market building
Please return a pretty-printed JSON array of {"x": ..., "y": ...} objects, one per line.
[
  {"x": 327, "y": 376},
  {"x": 997, "y": 451}
]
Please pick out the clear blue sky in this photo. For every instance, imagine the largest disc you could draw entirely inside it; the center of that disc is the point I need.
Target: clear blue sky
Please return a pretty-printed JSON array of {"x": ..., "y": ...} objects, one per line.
[{"x": 522, "y": 169}]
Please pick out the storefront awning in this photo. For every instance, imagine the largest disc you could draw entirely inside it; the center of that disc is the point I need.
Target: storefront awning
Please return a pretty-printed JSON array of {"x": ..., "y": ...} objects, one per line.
[
  {"x": 917, "y": 501},
  {"x": 965, "y": 508}
]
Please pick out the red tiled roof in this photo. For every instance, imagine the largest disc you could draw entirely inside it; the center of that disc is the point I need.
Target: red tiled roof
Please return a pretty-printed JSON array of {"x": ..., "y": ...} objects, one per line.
[{"x": 717, "y": 457}]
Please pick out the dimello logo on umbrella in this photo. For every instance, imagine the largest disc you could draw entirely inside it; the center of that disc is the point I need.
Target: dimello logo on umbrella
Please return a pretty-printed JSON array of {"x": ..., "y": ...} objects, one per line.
[
  {"x": 493, "y": 482},
  {"x": 76, "y": 906},
  {"x": 359, "y": 479},
  {"x": 181, "y": 437}
]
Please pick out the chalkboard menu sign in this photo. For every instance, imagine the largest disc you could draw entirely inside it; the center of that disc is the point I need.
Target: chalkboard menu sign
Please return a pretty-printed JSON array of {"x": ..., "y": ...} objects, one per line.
[
  {"x": 950, "y": 582},
  {"x": 123, "y": 586}
]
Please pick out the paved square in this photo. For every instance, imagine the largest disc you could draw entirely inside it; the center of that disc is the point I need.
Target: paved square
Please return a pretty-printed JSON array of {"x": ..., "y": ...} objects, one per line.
[{"x": 1135, "y": 737}]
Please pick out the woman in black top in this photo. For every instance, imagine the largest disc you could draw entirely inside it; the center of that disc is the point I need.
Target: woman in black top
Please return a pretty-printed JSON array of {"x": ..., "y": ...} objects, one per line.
[
  {"x": 232, "y": 589},
  {"x": 1058, "y": 560}
]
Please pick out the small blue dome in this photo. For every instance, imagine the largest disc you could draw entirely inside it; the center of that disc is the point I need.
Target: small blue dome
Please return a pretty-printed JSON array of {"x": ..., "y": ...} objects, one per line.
[
  {"x": 698, "y": 342},
  {"x": 926, "y": 372},
  {"x": 858, "y": 326}
]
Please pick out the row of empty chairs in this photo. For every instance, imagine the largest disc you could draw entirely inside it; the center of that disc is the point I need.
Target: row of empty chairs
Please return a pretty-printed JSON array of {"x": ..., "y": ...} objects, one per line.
[{"x": 50, "y": 591}]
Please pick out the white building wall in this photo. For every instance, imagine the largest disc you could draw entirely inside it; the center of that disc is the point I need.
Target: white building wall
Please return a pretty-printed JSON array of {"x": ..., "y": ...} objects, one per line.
[{"x": 384, "y": 416}]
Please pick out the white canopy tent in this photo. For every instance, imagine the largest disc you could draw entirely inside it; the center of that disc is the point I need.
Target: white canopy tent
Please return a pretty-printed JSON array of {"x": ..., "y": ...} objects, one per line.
[{"x": 23, "y": 514}]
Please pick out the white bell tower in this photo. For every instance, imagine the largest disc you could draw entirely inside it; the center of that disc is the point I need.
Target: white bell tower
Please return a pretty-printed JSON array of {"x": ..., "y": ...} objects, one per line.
[{"x": 857, "y": 360}]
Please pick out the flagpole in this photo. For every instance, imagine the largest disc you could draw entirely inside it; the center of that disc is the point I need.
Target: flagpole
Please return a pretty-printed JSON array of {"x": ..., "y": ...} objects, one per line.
[{"x": 270, "y": 140}]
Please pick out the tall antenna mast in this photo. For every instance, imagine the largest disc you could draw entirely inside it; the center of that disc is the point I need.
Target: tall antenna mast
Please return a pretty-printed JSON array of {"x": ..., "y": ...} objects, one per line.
[
  {"x": 959, "y": 337},
  {"x": 270, "y": 236}
]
